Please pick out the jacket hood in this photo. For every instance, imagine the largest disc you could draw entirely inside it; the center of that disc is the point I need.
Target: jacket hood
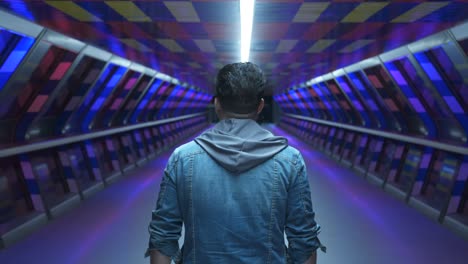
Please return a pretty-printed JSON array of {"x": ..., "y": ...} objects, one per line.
[{"x": 240, "y": 144}]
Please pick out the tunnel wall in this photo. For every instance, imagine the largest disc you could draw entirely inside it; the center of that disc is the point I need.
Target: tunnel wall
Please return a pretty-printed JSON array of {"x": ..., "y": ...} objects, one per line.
[
  {"x": 400, "y": 119},
  {"x": 74, "y": 117}
]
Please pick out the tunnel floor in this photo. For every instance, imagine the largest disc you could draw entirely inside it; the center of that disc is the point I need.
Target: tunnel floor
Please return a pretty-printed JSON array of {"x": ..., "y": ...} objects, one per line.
[{"x": 360, "y": 223}]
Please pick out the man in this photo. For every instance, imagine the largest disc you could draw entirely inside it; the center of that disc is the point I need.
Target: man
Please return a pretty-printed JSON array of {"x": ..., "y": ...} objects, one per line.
[{"x": 236, "y": 188}]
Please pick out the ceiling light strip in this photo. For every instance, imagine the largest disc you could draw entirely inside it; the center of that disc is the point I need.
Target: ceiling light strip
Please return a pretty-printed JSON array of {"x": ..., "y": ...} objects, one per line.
[{"x": 246, "y": 15}]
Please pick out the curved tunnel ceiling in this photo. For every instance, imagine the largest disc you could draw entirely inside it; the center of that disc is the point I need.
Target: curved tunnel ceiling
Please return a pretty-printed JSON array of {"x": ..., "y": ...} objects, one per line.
[{"x": 292, "y": 40}]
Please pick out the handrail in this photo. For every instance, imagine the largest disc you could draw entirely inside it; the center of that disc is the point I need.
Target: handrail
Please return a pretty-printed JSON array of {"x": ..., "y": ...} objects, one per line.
[
  {"x": 389, "y": 135},
  {"x": 16, "y": 150}
]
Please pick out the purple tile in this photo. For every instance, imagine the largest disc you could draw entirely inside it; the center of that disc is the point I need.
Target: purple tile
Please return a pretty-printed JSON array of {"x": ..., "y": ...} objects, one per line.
[
  {"x": 275, "y": 12},
  {"x": 453, "y": 104}
]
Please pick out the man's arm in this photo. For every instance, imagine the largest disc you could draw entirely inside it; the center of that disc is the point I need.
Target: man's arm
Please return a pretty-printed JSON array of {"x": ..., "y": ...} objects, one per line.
[
  {"x": 166, "y": 223},
  {"x": 157, "y": 257},
  {"x": 301, "y": 228}
]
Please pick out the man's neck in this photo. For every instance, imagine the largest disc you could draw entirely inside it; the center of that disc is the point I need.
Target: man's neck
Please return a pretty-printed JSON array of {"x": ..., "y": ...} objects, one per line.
[{"x": 229, "y": 115}]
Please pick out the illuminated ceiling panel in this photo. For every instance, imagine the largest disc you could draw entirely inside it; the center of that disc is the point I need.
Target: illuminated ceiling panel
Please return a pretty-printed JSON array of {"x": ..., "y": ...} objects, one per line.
[{"x": 175, "y": 36}]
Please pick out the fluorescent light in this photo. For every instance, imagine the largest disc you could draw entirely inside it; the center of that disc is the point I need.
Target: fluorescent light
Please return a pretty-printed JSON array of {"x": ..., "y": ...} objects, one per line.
[{"x": 246, "y": 15}]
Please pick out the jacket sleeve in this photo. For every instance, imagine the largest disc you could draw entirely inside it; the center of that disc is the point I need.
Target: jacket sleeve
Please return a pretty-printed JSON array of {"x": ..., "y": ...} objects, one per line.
[
  {"x": 301, "y": 229},
  {"x": 166, "y": 223}
]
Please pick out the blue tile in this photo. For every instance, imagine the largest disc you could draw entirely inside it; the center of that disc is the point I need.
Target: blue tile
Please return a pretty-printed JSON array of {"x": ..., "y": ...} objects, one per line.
[
  {"x": 265, "y": 46},
  {"x": 101, "y": 10},
  {"x": 275, "y": 12},
  {"x": 157, "y": 11},
  {"x": 196, "y": 30},
  {"x": 153, "y": 29},
  {"x": 337, "y": 11},
  {"x": 391, "y": 12},
  {"x": 33, "y": 187},
  {"x": 226, "y": 45},
  {"x": 303, "y": 45},
  {"x": 449, "y": 13},
  {"x": 188, "y": 45},
  {"x": 296, "y": 30},
  {"x": 19, "y": 8},
  {"x": 338, "y": 30},
  {"x": 226, "y": 12}
]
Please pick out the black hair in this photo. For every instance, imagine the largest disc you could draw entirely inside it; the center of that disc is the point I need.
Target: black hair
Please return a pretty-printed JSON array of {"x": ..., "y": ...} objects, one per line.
[{"x": 240, "y": 87}]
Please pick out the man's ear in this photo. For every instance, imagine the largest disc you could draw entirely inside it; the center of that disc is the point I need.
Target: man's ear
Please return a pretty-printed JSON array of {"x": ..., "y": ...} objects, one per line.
[
  {"x": 217, "y": 104},
  {"x": 218, "y": 108},
  {"x": 260, "y": 106}
]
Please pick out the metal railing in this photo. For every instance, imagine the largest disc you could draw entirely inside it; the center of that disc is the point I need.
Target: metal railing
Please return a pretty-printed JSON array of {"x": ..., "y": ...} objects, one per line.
[
  {"x": 30, "y": 147},
  {"x": 389, "y": 135}
]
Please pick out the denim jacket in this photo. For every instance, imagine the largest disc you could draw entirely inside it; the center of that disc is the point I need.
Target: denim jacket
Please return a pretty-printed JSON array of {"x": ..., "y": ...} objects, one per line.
[{"x": 235, "y": 216}]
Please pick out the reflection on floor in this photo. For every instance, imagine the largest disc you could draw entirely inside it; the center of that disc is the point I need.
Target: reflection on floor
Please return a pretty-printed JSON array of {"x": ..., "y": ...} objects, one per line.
[{"x": 361, "y": 223}]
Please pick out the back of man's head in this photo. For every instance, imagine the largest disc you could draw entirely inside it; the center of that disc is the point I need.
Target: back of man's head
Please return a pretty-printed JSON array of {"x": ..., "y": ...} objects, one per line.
[{"x": 240, "y": 87}]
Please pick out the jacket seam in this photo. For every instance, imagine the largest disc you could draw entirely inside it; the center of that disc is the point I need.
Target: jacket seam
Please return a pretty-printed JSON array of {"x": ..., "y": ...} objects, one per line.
[
  {"x": 190, "y": 154},
  {"x": 191, "y": 208},
  {"x": 299, "y": 172},
  {"x": 174, "y": 163},
  {"x": 273, "y": 209},
  {"x": 291, "y": 158}
]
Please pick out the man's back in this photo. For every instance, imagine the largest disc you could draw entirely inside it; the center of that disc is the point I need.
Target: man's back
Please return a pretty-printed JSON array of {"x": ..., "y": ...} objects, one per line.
[{"x": 236, "y": 206}]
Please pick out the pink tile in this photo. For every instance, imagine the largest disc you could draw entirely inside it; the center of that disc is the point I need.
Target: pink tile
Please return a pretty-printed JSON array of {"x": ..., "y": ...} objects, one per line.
[
  {"x": 60, "y": 70},
  {"x": 38, "y": 103}
]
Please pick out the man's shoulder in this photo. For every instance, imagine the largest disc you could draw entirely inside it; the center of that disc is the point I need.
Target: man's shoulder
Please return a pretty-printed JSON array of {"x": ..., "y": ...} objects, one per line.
[
  {"x": 290, "y": 154},
  {"x": 187, "y": 149},
  {"x": 290, "y": 151}
]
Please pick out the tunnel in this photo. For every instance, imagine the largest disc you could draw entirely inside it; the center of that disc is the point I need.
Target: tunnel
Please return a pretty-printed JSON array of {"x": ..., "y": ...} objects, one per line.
[{"x": 95, "y": 95}]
